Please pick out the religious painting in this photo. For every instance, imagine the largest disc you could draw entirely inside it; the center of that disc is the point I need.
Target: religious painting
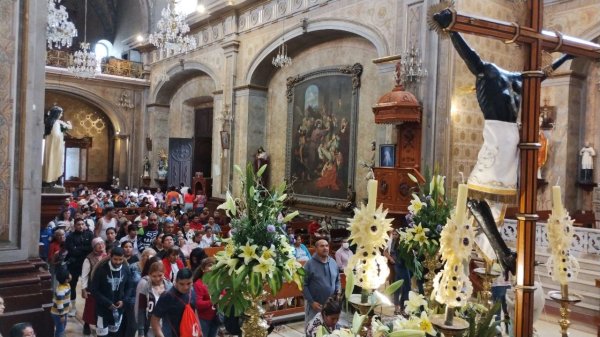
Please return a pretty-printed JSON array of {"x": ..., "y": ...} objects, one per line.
[
  {"x": 387, "y": 155},
  {"x": 224, "y": 140},
  {"x": 322, "y": 118}
]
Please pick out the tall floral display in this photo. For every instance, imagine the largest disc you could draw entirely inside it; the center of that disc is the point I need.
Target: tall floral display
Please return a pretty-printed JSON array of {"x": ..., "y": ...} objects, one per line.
[
  {"x": 258, "y": 255},
  {"x": 419, "y": 243}
]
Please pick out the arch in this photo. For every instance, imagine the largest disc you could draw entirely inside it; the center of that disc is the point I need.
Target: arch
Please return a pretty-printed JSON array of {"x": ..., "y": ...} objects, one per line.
[
  {"x": 332, "y": 26},
  {"x": 90, "y": 97},
  {"x": 179, "y": 74}
]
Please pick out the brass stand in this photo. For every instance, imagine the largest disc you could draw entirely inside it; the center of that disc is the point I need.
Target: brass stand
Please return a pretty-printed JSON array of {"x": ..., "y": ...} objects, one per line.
[
  {"x": 363, "y": 307},
  {"x": 488, "y": 276},
  {"x": 449, "y": 325},
  {"x": 565, "y": 299},
  {"x": 431, "y": 263},
  {"x": 255, "y": 325}
]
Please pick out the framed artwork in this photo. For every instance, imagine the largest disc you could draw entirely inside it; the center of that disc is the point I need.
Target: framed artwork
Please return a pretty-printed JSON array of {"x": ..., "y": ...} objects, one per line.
[
  {"x": 224, "y": 140},
  {"x": 387, "y": 155},
  {"x": 322, "y": 118}
]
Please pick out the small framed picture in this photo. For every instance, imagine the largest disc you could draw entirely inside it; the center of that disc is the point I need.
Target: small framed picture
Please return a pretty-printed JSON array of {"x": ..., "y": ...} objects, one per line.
[
  {"x": 224, "y": 140},
  {"x": 387, "y": 155}
]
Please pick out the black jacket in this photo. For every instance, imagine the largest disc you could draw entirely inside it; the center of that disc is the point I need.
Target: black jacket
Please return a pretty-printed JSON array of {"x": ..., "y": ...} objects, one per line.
[
  {"x": 78, "y": 245},
  {"x": 108, "y": 288}
]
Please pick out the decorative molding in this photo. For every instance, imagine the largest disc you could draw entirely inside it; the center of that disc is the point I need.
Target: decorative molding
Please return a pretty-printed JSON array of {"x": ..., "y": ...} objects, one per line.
[{"x": 354, "y": 70}]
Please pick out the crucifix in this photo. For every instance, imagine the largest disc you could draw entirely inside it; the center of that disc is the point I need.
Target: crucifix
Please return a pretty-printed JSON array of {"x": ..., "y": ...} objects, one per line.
[{"x": 499, "y": 96}]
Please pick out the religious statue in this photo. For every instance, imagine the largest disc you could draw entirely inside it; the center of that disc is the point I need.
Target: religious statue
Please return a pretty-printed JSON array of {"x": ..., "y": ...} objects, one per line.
[
  {"x": 262, "y": 158},
  {"x": 115, "y": 183},
  {"x": 54, "y": 146},
  {"x": 587, "y": 154},
  {"x": 163, "y": 164},
  {"x": 146, "y": 167},
  {"x": 542, "y": 154},
  {"x": 495, "y": 173}
]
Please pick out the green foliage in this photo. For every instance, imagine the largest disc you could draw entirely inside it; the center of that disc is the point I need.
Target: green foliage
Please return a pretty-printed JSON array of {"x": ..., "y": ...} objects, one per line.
[{"x": 481, "y": 321}]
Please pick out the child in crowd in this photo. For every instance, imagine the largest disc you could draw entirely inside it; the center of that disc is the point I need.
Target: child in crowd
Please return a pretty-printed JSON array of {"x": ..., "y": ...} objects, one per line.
[{"x": 61, "y": 301}]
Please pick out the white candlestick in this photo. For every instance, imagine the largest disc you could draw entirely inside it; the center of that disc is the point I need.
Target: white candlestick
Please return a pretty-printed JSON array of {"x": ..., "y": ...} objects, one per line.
[
  {"x": 461, "y": 204},
  {"x": 372, "y": 194},
  {"x": 557, "y": 206}
]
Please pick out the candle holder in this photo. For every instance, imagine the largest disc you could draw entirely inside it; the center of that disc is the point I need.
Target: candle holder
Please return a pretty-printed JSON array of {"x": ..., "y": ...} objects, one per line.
[
  {"x": 364, "y": 308},
  {"x": 488, "y": 276},
  {"x": 566, "y": 300},
  {"x": 449, "y": 325}
]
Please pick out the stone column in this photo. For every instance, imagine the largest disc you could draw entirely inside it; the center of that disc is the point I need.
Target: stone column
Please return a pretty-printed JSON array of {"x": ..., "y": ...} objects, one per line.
[
  {"x": 121, "y": 160},
  {"x": 230, "y": 49},
  {"x": 566, "y": 138}
]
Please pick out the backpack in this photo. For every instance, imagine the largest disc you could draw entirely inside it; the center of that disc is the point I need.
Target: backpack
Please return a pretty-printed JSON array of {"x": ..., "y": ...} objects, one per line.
[{"x": 189, "y": 326}]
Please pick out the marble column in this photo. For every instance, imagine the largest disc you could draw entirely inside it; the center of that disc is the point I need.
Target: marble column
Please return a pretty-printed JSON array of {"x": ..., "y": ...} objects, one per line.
[
  {"x": 158, "y": 132},
  {"x": 230, "y": 49},
  {"x": 121, "y": 159}
]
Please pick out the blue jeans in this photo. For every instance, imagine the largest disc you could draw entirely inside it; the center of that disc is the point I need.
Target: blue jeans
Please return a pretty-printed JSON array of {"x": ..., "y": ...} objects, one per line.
[
  {"x": 60, "y": 322},
  {"x": 499, "y": 294},
  {"x": 210, "y": 328}
]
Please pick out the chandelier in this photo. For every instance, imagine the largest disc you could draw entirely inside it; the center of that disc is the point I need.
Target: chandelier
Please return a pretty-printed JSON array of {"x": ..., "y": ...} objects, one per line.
[
  {"x": 59, "y": 30},
  {"x": 170, "y": 37},
  {"x": 84, "y": 62},
  {"x": 282, "y": 59},
  {"x": 412, "y": 66}
]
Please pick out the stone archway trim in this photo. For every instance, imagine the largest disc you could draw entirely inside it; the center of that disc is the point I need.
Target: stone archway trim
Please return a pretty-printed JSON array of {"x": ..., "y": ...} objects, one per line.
[
  {"x": 187, "y": 65},
  {"x": 370, "y": 34}
]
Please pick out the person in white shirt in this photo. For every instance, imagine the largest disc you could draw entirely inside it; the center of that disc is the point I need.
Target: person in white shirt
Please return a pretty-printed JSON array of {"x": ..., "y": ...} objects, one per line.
[
  {"x": 131, "y": 237},
  {"x": 208, "y": 239},
  {"x": 343, "y": 254}
]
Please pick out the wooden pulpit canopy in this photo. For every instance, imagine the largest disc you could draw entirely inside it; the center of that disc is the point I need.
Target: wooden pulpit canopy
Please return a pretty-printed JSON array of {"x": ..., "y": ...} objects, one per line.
[{"x": 396, "y": 107}]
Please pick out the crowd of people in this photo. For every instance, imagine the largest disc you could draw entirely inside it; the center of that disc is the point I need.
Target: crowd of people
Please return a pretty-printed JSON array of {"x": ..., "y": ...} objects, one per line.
[
  {"x": 138, "y": 258},
  {"x": 140, "y": 266}
]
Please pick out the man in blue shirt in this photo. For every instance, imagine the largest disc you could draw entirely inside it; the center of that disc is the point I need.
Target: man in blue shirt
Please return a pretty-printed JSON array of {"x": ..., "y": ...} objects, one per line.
[{"x": 321, "y": 280}]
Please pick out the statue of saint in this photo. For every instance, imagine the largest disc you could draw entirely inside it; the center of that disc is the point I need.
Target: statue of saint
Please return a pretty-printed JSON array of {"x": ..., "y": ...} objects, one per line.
[
  {"x": 146, "y": 167},
  {"x": 262, "y": 158},
  {"x": 54, "y": 146},
  {"x": 587, "y": 154}
]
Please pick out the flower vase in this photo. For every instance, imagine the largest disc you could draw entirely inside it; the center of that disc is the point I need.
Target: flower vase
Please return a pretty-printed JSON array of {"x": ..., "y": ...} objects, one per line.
[
  {"x": 254, "y": 324},
  {"x": 431, "y": 263}
]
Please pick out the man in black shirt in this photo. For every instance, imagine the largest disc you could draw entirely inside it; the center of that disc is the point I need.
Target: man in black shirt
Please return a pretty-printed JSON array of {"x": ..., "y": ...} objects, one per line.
[
  {"x": 171, "y": 304},
  {"x": 79, "y": 245}
]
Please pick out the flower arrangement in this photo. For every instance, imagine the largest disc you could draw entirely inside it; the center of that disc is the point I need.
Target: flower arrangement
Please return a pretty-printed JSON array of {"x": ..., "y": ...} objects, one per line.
[
  {"x": 258, "y": 252},
  {"x": 428, "y": 212}
]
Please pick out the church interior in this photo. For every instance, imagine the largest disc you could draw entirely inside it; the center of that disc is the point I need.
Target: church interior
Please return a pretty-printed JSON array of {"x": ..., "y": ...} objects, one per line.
[{"x": 351, "y": 104}]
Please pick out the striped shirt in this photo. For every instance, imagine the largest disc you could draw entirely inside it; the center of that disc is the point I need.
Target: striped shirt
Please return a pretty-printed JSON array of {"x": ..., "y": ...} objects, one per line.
[{"x": 61, "y": 300}]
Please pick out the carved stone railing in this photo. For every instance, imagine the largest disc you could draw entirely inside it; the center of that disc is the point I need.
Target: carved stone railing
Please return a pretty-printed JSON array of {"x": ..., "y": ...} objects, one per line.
[
  {"x": 109, "y": 66},
  {"x": 585, "y": 240}
]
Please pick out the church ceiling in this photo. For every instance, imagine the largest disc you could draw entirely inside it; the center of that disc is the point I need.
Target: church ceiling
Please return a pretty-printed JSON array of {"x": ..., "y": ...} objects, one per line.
[{"x": 101, "y": 18}]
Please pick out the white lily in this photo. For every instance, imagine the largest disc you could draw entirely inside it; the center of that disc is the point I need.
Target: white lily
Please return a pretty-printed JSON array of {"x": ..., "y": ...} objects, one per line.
[{"x": 414, "y": 303}]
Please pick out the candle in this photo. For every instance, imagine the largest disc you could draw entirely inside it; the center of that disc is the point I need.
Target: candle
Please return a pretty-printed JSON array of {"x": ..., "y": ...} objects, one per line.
[
  {"x": 557, "y": 206},
  {"x": 461, "y": 204},
  {"x": 372, "y": 194}
]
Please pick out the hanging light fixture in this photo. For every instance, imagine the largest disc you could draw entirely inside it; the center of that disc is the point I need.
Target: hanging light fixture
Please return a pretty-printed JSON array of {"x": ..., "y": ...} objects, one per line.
[
  {"x": 171, "y": 35},
  {"x": 282, "y": 59},
  {"x": 412, "y": 66},
  {"x": 59, "y": 30},
  {"x": 84, "y": 61}
]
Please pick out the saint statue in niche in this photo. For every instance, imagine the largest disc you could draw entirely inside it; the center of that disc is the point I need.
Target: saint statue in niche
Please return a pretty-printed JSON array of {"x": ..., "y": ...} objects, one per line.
[
  {"x": 146, "y": 167},
  {"x": 54, "y": 146},
  {"x": 587, "y": 154}
]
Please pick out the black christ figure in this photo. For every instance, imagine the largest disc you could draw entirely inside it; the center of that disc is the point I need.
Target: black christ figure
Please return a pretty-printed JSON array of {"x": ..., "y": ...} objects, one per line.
[{"x": 499, "y": 94}]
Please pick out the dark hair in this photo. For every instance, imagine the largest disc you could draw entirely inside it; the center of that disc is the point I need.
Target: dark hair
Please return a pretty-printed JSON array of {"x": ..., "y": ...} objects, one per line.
[
  {"x": 126, "y": 242},
  {"x": 332, "y": 307},
  {"x": 110, "y": 228},
  {"x": 117, "y": 251},
  {"x": 107, "y": 210},
  {"x": 131, "y": 227},
  {"x": 184, "y": 274},
  {"x": 151, "y": 261},
  {"x": 17, "y": 329},
  {"x": 196, "y": 256},
  {"x": 172, "y": 251},
  {"x": 166, "y": 235},
  {"x": 199, "y": 271},
  {"x": 61, "y": 273}
]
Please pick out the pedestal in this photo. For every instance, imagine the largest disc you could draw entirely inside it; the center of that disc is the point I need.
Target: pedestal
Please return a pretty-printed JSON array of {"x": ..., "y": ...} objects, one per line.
[
  {"x": 565, "y": 303},
  {"x": 457, "y": 328},
  {"x": 25, "y": 287}
]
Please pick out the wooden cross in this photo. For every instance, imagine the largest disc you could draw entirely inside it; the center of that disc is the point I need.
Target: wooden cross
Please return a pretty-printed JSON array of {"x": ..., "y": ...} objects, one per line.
[{"x": 537, "y": 40}]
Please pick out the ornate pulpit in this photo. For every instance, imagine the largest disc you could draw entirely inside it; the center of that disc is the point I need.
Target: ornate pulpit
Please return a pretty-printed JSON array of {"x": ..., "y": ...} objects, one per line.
[{"x": 400, "y": 108}]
